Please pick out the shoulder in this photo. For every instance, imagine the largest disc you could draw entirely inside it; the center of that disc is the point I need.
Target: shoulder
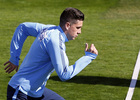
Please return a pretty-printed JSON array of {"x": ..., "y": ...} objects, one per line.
[
  {"x": 55, "y": 37},
  {"x": 54, "y": 33}
]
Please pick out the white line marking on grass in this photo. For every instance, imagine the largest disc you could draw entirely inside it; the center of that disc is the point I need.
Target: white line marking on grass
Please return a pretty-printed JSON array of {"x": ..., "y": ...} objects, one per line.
[{"x": 134, "y": 79}]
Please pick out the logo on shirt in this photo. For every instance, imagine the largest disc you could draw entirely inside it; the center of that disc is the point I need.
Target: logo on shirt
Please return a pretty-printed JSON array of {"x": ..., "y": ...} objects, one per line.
[{"x": 43, "y": 34}]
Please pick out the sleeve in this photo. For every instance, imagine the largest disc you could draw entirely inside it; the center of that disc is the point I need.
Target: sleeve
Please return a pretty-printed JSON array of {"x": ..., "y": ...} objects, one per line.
[
  {"x": 21, "y": 33},
  {"x": 56, "y": 50}
]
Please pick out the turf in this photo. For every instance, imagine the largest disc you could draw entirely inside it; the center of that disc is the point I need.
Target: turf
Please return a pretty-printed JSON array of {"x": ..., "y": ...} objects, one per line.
[{"x": 112, "y": 25}]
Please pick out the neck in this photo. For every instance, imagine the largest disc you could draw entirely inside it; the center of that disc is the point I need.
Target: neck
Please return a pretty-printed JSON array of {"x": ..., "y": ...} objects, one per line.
[{"x": 64, "y": 29}]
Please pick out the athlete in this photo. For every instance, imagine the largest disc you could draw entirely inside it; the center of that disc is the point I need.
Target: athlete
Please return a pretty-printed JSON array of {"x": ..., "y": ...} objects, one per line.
[{"x": 47, "y": 53}]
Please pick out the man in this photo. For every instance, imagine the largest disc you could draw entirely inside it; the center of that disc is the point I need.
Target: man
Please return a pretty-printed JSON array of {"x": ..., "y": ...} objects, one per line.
[{"x": 46, "y": 54}]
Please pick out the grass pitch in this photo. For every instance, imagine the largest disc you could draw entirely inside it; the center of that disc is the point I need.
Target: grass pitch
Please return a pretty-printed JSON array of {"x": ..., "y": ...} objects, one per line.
[{"x": 112, "y": 25}]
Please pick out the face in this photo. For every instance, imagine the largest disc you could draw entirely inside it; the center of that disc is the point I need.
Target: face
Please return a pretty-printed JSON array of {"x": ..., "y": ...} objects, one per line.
[{"x": 74, "y": 29}]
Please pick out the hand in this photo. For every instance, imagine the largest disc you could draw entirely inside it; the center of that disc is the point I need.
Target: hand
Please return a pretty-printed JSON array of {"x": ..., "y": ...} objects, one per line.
[
  {"x": 10, "y": 67},
  {"x": 92, "y": 49}
]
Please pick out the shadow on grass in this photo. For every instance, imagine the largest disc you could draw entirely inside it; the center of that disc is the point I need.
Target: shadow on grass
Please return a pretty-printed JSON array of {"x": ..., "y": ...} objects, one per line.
[{"x": 99, "y": 80}]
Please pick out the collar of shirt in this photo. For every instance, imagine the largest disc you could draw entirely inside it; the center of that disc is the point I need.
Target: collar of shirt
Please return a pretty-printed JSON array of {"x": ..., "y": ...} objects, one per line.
[{"x": 65, "y": 39}]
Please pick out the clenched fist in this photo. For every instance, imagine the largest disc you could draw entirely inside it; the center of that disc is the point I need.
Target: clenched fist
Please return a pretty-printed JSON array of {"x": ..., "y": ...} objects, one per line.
[{"x": 92, "y": 49}]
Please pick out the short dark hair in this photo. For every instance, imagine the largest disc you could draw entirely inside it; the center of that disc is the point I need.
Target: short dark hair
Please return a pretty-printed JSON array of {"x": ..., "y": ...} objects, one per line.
[{"x": 71, "y": 15}]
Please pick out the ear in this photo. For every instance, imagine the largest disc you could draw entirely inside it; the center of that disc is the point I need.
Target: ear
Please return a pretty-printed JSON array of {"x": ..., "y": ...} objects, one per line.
[{"x": 67, "y": 25}]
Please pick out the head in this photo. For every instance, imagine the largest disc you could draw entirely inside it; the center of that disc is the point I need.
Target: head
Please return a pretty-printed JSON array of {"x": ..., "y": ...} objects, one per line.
[{"x": 71, "y": 22}]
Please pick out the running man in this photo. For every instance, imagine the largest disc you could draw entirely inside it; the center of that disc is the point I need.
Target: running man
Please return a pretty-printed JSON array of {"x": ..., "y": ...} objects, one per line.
[{"x": 46, "y": 54}]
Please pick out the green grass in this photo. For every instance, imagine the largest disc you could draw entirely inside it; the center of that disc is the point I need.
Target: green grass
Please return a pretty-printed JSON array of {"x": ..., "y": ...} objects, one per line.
[{"x": 112, "y": 25}]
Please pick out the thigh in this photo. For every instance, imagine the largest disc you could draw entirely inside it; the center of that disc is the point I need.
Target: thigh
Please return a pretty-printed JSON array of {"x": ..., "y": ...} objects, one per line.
[
  {"x": 51, "y": 95},
  {"x": 13, "y": 94},
  {"x": 10, "y": 92},
  {"x": 32, "y": 98},
  {"x": 21, "y": 96}
]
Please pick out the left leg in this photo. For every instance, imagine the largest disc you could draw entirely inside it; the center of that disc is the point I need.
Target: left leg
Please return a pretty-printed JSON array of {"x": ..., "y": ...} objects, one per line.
[{"x": 51, "y": 95}]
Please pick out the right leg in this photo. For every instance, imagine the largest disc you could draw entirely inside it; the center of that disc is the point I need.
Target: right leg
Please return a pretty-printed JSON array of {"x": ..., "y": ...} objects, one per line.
[
  {"x": 51, "y": 95},
  {"x": 11, "y": 92}
]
